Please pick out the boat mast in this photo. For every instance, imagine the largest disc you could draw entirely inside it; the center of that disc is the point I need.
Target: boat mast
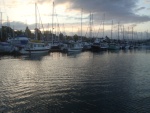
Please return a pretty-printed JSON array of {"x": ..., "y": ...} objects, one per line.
[
  {"x": 118, "y": 31},
  {"x": 90, "y": 27},
  {"x": 35, "y": 21},
  {"x": 141, "y": 36},
  {"x": 64, "y": 31},
  {"x": 111, "y": 29},
  {"x": 132, "y": 34},
  {"x": 81, "y": 24},
  {"x": 123, "y": 33},
  {"x": 103, "y": 25},
  {"x": 7, "y": 27},
  {"x": 1, "y": 26},
  {"x": 128, "y": 34},
  {"x": 13, "y": 31},
  {"x": 147, "y": 34},
  {"x": 72, "y": 32},
  {"x": 52, "y": 22}
]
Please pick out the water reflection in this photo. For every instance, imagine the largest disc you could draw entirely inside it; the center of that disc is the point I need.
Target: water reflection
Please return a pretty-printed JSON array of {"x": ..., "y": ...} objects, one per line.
[
  {"x": 107, "y": 82},
  {"x": 73, "y": 54}
]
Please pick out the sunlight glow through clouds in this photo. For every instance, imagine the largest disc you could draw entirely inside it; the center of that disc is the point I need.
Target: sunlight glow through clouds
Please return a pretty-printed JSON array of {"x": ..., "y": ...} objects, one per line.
[{"x": 69, "y": 13}]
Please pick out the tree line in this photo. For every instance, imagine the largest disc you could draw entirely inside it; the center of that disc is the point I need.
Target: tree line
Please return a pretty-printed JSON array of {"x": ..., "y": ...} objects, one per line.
[{"x": 7, "y": 32}]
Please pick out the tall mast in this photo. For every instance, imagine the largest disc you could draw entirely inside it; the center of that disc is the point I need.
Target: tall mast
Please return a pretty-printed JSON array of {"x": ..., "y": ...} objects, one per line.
[
  {"x": 7, "y": 21},
  {"x": 103, "y": 25},
  {"x": 13, "y": 32},
  {"x": 111, "y": 29},
  {"x": 123, "y": 32},
  {"x": 141, "y": 36},
  {"x": 1, "y": 26},
  {"x": 7, "y": 27},
  {"x": 128, "y": 34},
  {"x": 35, "y": 21},
  {"x": 52, "y": 22},
  {"x": 81, "y": 24},
  {"x": 72, "y": 32},
  {"x": 64, "y": 31},
  {"x": 132, "y": 33},
  {"x": 118, "y": 30},
  {"x": 90, "y": 26},
  {"x": 26, "y": 31},
  {"x": 147, "y": 34}
]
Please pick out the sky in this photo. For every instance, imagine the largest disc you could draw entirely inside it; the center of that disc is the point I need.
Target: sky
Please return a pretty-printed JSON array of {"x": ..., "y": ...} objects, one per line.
[{"x": 67, "y": 13}]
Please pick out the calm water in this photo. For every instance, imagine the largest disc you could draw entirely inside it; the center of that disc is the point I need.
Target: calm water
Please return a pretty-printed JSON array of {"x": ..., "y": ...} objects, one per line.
[{"x": 105, "y": 82}]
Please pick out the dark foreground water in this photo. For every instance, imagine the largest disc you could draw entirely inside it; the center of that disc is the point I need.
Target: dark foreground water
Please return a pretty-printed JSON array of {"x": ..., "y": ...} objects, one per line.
[{"x": 105, "y": 82}]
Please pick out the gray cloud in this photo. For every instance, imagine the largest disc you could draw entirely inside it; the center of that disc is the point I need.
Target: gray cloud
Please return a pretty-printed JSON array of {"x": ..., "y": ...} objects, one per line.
[
  {"x": 123, "y": 11},
  {"x": 119, "y": 10},
  {"x": 141, "y": 8},
  {"x": 19, "y": 25},
  {"x": 147, "y": 1},
  {"x": 16, "y": 25}
]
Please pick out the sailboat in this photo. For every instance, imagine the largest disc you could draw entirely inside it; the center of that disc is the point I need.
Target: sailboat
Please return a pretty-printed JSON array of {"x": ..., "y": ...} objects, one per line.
[
  {"x": 55, "y": 45},
  {"x": 76, "y": 46},
  {"x": 100, "y": 44},
  {"x": 35, "y": 46},
  {"x": 113, "y": 45}
]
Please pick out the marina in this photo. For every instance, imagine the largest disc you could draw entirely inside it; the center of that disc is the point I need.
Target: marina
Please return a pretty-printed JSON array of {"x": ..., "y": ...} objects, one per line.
[{"x": 72, "y": 56}]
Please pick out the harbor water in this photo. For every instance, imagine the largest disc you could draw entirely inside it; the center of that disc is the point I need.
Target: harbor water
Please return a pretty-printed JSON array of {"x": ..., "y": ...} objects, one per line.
[{"x": 86, "y": 82}]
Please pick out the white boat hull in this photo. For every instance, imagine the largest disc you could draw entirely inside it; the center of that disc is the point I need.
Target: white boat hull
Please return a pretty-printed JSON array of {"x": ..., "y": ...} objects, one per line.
[
  {"x": 33, "y": 51},
  {"x": 34, "y": 48},
  {"x": 6, "y": 47},
  {"x": 74, "y": 50}
]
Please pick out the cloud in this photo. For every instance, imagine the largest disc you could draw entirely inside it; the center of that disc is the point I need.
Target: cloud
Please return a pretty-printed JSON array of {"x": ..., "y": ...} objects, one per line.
[
  {"x": 122, "y": 11},
  {"x": 147, "y": 1},
  {"x": 16, "y": 25},
  {"x": 141, "y": 8},
  {"x": 119, "y": 10}
]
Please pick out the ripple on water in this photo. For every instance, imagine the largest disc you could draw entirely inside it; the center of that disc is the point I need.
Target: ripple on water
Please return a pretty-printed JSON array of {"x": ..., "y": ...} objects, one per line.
[{"x": 108, "y": 82}]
